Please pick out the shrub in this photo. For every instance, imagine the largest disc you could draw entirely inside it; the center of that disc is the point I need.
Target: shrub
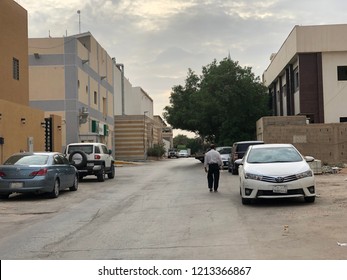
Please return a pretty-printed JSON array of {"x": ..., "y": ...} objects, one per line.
[{"x": 158, "y": 150}]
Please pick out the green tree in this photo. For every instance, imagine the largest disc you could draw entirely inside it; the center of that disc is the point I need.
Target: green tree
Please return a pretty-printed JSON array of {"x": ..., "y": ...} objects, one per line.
[
  {"x": 222, "y": 105},
  {"x": 181, "y": 114},
  {"x": 194, "y": 144}
]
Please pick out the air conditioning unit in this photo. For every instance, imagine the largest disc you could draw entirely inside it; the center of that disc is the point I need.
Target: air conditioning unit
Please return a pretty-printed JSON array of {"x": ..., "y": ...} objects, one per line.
[{"x": 83, "y": 115}]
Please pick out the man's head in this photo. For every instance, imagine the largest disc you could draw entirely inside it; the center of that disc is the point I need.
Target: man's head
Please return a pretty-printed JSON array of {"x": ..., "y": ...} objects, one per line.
[{"x": 213, "y": 146}]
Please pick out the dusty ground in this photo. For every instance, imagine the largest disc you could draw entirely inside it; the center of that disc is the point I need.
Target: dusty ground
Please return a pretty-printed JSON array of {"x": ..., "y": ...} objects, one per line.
[
  {"x": 333, "y": 185},
  {"x": 314, "y": 231},
  {"x": 331, "y": 190}
]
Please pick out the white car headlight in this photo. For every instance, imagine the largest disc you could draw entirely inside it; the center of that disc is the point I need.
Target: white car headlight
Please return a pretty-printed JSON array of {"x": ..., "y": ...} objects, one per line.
[
  {"x": 305, "y": 174},
  {"x": 253, "y": 176}
]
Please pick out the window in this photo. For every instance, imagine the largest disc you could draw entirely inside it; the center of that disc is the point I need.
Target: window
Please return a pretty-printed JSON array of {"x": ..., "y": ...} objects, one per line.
[
  {"x": 15, "y": 69},
  {"x": 296, "y": 79},
  {"x": 342, "y": 73},
  {"x": 88, "y": 149},
  {"x": 104, "y": 149},
  {"x": 65, "y": 160},
  {"x": 284, "y": 90},
  {"x": 95, "y": 97},
  {"x": 58, "y": 160},
  {"x": 97, "y": 150},
  {"x": 104, "y": 107}
]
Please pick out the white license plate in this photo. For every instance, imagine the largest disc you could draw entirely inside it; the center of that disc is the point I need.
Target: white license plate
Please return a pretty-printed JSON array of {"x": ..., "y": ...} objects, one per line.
[
  {"x": 279, "y": 189},
  {"x": 16, "y": 185},
  {"x": 90, "y": 164}
]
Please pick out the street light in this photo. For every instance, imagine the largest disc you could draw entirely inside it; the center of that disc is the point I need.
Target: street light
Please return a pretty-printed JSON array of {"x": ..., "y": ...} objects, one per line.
[{"x": 144, "y": 134}]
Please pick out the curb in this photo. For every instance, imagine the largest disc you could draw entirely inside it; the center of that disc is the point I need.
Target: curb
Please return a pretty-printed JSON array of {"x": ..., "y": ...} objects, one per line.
[{"x": 120, "y": 163}]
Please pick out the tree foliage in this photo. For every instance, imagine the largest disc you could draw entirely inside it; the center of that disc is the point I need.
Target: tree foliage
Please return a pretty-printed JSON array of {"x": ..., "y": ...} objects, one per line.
[
  {"x": 222, "y": 105},
  {"x": 194, "y": 145}
]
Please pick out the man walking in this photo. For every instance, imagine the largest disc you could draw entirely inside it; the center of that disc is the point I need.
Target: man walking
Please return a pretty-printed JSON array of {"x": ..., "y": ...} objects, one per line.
[{"x": 212, "y": 163}]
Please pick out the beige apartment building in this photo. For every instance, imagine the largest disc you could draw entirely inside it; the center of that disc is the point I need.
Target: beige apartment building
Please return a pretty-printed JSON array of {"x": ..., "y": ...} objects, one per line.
[
  {"x": 308, "y": 75},
  {"x": 73, "y": 77},
  {"x": 21, "y": 128},
  {"x": 307, "y": 82}
]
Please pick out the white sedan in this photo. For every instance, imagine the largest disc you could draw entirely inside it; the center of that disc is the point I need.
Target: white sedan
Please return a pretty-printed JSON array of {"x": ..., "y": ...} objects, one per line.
[
  {"x": 183, "y": 153},
  {"x": 275, "y": 171}
]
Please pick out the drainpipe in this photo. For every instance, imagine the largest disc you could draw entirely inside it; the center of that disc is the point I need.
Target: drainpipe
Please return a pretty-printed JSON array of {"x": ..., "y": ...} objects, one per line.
[{"x": 121, "y": 67}]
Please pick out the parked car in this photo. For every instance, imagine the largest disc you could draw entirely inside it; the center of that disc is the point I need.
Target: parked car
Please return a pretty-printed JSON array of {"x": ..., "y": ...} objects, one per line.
[
  {"x": 275, "y": 171},
  {"x": 237, "y": 152},
  {"x": 200, "y": 156},
  {"x": 183, "y": 153},
  {"x": 91, "y": 159},
  {"x": 225, "y": 154},
  {"x": 37, "y": 173},
  {"x": 172, "y": 153}
]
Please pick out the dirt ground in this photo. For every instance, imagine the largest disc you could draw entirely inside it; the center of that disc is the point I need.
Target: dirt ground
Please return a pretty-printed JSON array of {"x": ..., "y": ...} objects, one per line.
[
  {"x": 330, "y": 182},
  {"x": 331, "y": 190}
]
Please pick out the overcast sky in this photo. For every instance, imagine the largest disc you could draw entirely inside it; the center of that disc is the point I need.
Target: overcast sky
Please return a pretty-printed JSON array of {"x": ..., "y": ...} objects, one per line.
[{"x": 158, "y": 40}]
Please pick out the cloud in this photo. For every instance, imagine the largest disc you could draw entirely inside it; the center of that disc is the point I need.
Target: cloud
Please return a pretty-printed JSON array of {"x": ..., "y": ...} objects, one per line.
[{"x": 158, "y": 40}]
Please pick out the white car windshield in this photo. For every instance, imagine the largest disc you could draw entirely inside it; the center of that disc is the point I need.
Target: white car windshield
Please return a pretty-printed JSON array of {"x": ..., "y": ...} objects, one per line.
[{"x": 268, "y": 155}]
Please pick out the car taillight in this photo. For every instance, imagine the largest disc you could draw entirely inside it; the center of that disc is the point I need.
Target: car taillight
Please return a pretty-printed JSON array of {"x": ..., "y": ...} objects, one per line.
[
  {"x": 97, "y": 157},
  {"x": 41, "y": 172},
  {"x": 2, "y": 174}
]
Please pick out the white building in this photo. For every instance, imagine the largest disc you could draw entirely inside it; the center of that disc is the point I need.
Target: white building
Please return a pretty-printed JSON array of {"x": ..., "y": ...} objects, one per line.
[{"x": 308, "y": 75}]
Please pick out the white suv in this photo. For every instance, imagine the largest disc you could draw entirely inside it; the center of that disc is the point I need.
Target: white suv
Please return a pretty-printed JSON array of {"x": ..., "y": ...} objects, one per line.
[{"x": 91, "y": 159}]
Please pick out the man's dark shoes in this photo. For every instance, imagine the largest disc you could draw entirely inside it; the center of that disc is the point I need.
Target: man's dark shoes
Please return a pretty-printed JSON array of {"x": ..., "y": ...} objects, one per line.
[{"x": 210, "y": 189}]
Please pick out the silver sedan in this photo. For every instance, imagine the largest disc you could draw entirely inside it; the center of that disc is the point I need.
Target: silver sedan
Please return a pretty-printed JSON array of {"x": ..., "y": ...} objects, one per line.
[{"x": 37, "y": 173}]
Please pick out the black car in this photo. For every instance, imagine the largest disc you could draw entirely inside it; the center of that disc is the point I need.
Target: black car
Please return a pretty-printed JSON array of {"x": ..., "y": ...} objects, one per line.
[{"x": 237, "y": 152}]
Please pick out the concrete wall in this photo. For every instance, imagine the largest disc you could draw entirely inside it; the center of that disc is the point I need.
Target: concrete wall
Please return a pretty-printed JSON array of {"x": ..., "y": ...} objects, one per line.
[
  {"x": 141, "y": 102},
  {"x": 326, "y": 142},
  {"x": 16, "y": 132},
  {"x": 128, "y": 94},
  {"x": 134, "y": 134},
  {"x": 334, "y": 91},
  {"x": 21, "y": 127},
  {"x": 130, "y": 137},
  {"x": 13, "y": 44}
]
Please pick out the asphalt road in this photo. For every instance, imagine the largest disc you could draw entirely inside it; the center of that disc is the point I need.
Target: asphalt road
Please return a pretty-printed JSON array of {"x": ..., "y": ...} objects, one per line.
[{"x": 163, "y": 210}]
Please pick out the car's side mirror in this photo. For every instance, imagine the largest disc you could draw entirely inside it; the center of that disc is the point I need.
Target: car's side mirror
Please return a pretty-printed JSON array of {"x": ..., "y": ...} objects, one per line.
[
  {"x": 109, "y": 152},
  {"x": 239, "y": 161},
  {"x": 309, "y": 158}
]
